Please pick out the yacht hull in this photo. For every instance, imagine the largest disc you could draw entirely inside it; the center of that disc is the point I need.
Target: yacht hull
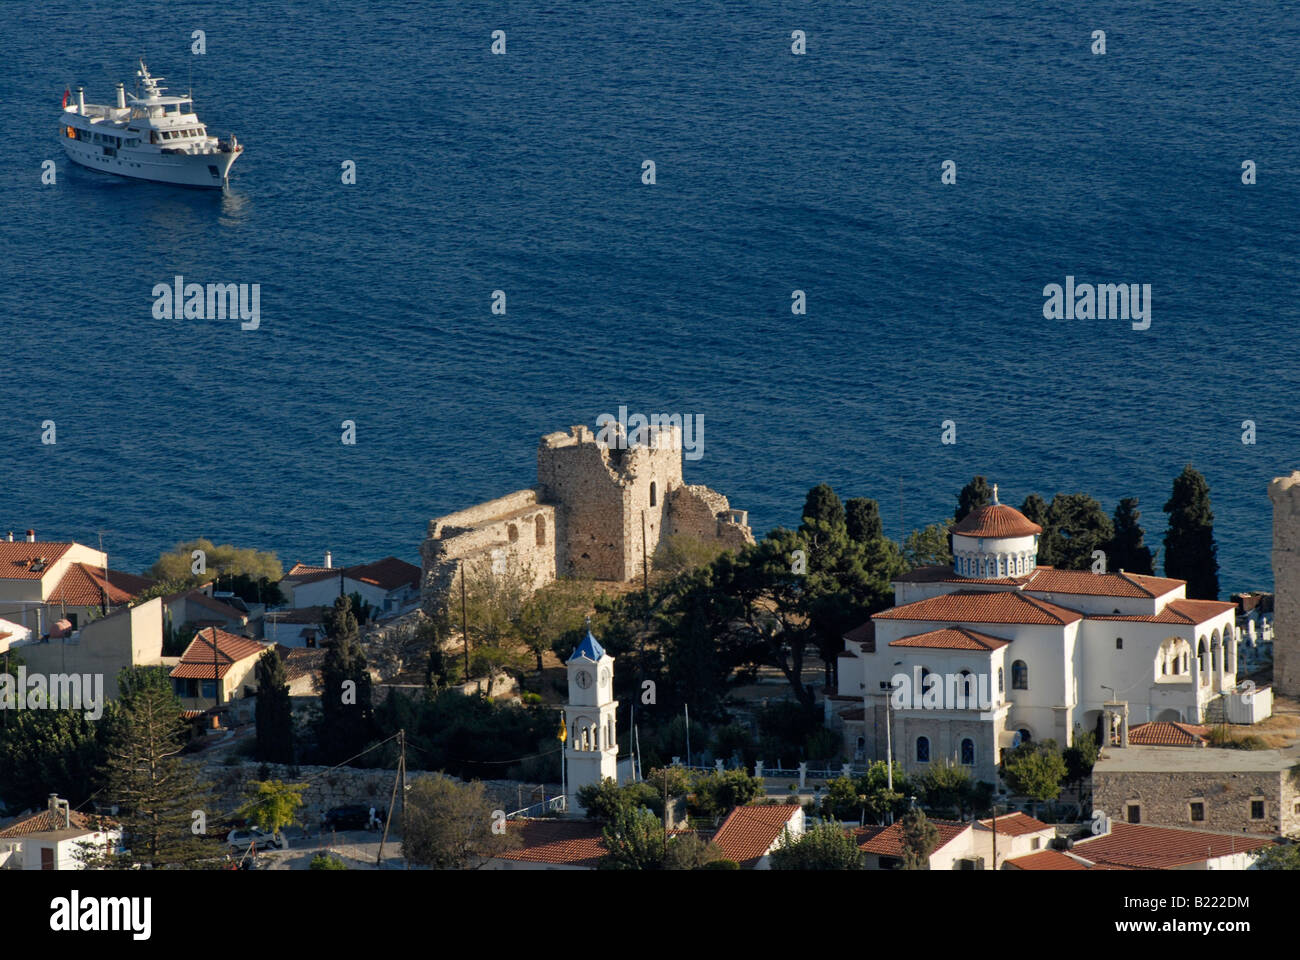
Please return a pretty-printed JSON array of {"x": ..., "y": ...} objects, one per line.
[{"x": 208, "y": 170}]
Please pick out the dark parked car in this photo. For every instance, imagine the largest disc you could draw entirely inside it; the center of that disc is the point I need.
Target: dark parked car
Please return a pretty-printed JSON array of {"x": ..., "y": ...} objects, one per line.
[{"x": 355, "y": 817}]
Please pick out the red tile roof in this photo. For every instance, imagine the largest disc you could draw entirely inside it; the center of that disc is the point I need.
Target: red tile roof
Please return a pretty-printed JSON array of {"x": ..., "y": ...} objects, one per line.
[
  {"x": 82, "y": 583},
  {"x": 1144, "y": 847},
  {"x": 982, "y": 606},
  {"x": 864, "y": 634},
  {"x": 574, "y": 843},
  {"x": 389, "y": 573},
  {"x": 996, "y": 520},
  {"x": 225, "y": 610},
  {"x": 197, "y": 660},
  {"x": 888, "y": 841},
  {"x": 1087, "y": 583},
  {"x": 1167, "y": 733},
  {"x": 750, "y": 831},
  {"x": 1183, "y": 612},
  {"x": 47, "y": 821},
  {"x": 951, "y": 638},
  {"x": 1047, "y": 860},
  {"x": 301, "y": 662},
  {"x": 1017, "y": 824},
  {"x": 19, "y": 559},
  {"x": 303, "y": 569}
]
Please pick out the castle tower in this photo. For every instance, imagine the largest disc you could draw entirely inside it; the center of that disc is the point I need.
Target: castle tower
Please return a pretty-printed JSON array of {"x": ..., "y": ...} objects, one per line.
[
  {"x": 1285, "y": 494},
  {"x": 591, "y": 751}
]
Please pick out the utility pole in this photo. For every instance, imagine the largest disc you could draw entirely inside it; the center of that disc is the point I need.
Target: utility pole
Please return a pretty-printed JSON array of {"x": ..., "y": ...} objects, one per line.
[
  {"x": 665, "y": 860},
  {"x": 401, "y": 765},
  {"x": 399, "y": 778},
  {"x": 464, "y": 621}
]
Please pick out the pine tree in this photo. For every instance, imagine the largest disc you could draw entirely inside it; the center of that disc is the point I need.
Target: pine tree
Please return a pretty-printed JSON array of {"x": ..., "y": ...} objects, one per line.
[
  {"x": 156, "y": 791},
  {"x": 274, "y": 713},
  {"x": 823, "y": 504},
  {"x": 920, "y": 837},
  {"x": 1076, "y": 527},
  {"x": 862, "y": 517},
  {"x": 1190, "y": 551},
  {"x": 1126, "y": 550},
  {"x": 1035, "y": 510},
  {"x": 347, "y": 716},
  {"x": 974, "y": 495}
]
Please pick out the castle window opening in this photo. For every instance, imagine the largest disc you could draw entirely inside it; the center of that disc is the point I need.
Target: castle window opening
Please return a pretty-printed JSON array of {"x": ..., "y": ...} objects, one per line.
[
  {"x": 541, "y": 531},
  {"x": 513, "y": 532},
  {"x": 653, "y": 494}
]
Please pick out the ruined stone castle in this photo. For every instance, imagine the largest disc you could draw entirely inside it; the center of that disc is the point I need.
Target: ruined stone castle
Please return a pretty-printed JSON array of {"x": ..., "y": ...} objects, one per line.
[
  {"x": 1285, "y": 494},
  {"x": 598, "y": 508}
]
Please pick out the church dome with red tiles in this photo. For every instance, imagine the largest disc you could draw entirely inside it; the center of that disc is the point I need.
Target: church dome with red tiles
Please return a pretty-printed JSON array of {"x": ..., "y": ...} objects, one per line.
[{"x": 995, "y": 542}]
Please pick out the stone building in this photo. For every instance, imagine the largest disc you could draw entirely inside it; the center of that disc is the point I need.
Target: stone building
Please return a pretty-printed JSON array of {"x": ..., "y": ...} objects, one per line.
[
  {"x": 1285, "y": 494},
  {"x": 597, "y": 510},
  {"x": 1234, "y": 791}
]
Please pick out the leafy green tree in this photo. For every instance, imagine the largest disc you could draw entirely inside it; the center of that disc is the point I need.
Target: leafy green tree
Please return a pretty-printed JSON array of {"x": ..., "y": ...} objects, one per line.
[
  {"x": 1035, "y": 770},
  {"x": 273, "y": 804},
  {"x": 948, "y": 786},
  {"x": 687, "y": 851},
  {"x": 823, "y": 846},
  {"x": 862, "y": 520},
  {"x": 1076, "y": 526},
  {"x": 1279, "y": 857},
  {"x": 1190, "y": 551},
  {"x": 558, "y": 608},
  {"x": 274, "y": 742},
  {"x": 634, "y": 840},
  {"x": 842, "y": 801},
  {"x": 1126, "y": 550},
  {"x": 605, "y": 800},
  {"x": 878, "y": 800},
  {"x": 155, "y": 790},
  {"x": 449, "y": 825},
  {"x": 931, "y": 546},
  {"x": 227, "y": 560},
  {"x": 974, "y": 495},
  {"x": 920, "y": 838},
  {"x": 347, "y": 716},
  {"x": 50, "y": 751},
  {"x": 323, "y": 861},
  {"x": 1080, "y": 756},
  {"x": 823, "y": 505},
  {"x": 718, "y": 792}
]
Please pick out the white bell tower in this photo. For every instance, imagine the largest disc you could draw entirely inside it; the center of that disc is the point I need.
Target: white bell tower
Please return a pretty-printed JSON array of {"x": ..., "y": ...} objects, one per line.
[{"x": 591, "y": 750}]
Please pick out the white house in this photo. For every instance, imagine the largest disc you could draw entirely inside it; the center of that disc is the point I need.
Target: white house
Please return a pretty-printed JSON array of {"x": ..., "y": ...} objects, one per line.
[
  {"x": 51, "y": 839},
  {"x": 996, "y": 650},
  {"x": 390, "y": 586},
  {"x": 751, "y": 832}
]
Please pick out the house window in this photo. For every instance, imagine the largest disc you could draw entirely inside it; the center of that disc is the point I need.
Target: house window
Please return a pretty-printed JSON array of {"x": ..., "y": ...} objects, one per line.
[
  {"x": 1035, "y": 843},
  {"x": 209, "y": 689},
  {"x": 1019, "y": 675},
  {"x": 1024, "y": 735},
  {"x": 1256, "y": 809},
  {"x": 968, "y": 752},
  {"x": 1133, "y": 813},
  {"x": 1119, "y": 643},
  {"x": 922, "y": 749},
  {"x": 1196, "y": 811}
]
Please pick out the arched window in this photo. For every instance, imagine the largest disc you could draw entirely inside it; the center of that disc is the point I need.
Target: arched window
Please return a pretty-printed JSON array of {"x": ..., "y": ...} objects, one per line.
[
  {"x": 1001, "y": 682},
  {"x": 1200, "y": 660},
  {"x": 1025, "y": 735},
  {"x": 541, "y": 531},
  {"x": 653, "y": 497},
  {"x": 922, "y": 749},
  {"x": 512, "y": 532},
  {"x": 968, "y": 752},
  {"x": 1019, "y": 675}
]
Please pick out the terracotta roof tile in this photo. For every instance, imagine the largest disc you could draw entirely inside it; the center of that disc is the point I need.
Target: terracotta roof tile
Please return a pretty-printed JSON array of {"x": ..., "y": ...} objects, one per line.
[
  {"x": 982, "y": 606},
  {"x": 47, "y": 821},
  {"x": 389, "y": 573},
  {"x": 996, "y": 520},
  {"x": 1047, "y": 860},
  {"x": 1184, "y": 612},
  {"x": 574, "y": 843},
  {"x": 1166, "y": 733},
  {"x": 1087, "y": 583},
  {"x": 888, "y": 841},
  {"x": 18, "y": 559},
  {"x": 864, "y": 634},
  {"x": 197, "y": 660},
  {"x": 1017, "y": 824},
  {"x": 82, "y": 583},
  {"x": 1143, "y": 847},
  {"x": 750, "y": 831},
  {"x": 951, "y": 638}
]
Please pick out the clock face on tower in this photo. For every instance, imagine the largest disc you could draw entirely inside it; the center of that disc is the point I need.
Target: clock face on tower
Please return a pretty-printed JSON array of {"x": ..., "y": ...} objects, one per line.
[
  {"x": 604, "y": 677},
  {"x": 584, "y": 679}
]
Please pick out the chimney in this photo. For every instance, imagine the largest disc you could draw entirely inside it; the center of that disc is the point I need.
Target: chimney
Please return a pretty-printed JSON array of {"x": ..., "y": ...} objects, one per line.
[
  {"x": 121, "y": 96},
  {"x": 55, "y": 805},
  {"x": 329, "y": 561},
  {"x": 31, "y": 536},
  {"x": 11, "y": 536},
  {"x": 81, "y": 100}
]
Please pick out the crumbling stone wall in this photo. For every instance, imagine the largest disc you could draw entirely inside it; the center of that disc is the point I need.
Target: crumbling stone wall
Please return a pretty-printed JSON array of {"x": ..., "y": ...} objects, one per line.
[
  {"x": 1285, "y": 494},
  {"x": 597, "y": 510}
]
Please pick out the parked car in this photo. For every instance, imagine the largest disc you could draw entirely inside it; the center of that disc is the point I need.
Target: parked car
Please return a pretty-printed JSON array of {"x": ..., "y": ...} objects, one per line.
[
  {"x": 258, "y": 839},
  {"x": 353, "y": 817}
]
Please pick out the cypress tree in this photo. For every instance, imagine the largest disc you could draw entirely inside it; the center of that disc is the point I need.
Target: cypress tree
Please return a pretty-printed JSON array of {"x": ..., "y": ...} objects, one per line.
[
  {"x": 823, "y": 504},
  {"x": 347, "y": 716},
  {"x": 862, "y": 518},
  {"x": 274, "y": 713},
  {"x": 1035, "y": 510},
  {"x": 1190, "y": 551},
  {"x": 1126, "y": 550},
  {"x": 974, "y": 495}
]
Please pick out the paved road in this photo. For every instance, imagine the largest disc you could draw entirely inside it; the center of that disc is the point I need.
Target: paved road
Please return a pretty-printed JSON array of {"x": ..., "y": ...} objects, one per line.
[{"x": 357, "y": 848}]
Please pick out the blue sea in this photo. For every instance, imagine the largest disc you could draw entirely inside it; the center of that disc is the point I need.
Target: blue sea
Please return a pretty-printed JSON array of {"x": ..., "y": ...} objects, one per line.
[{"x": 774, "y": 173}]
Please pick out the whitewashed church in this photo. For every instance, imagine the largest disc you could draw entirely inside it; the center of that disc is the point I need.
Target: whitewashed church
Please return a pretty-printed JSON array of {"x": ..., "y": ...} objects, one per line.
[
  {"x": 591, "y": 742},
  {"x": 1048, "y": 651}
]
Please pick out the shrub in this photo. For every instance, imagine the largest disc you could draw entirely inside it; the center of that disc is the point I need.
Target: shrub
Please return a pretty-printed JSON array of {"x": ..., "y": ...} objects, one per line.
[{"x": 323, "y": 861}]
